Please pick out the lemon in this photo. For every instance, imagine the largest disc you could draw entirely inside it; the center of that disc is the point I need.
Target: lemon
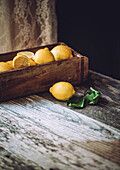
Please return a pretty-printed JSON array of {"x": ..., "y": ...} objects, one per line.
[
  {"x": 62, "y": 90},
  {"x": 43, "y": 56},
  {"x": 61, "y": 52},
  {"x": 4, "y": 66},
  {"x": 29, "y": 54},
  {"x": 10, "y": 62},
  {"x": 21, "y": 61},
  {"x": 32, "y": 63}
]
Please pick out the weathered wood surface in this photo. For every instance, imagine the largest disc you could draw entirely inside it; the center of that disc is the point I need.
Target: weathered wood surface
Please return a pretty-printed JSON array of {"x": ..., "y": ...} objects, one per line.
[
  {"x": 39, "y": 78},
  {"x": 108, "y": 109},
  {"x": 39, "y": 132}
]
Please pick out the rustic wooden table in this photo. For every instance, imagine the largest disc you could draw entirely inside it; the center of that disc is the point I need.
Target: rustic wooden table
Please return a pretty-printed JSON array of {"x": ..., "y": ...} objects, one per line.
[{"x": 39, "y": 132}]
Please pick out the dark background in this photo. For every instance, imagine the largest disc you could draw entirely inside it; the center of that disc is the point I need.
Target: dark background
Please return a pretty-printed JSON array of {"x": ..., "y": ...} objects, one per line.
[{"x": 93, "y": 30}]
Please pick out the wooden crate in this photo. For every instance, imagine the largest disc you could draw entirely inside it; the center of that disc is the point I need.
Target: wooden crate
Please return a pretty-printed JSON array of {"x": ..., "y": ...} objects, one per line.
[{"x": 39, "y": 78}]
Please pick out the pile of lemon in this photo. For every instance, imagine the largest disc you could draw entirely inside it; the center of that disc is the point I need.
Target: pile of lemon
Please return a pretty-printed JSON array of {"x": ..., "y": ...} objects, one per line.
[
  {"x": 60, "y": 90},
  {"x": 21, "y": 60},
  {"x": 27, "y": 58}
]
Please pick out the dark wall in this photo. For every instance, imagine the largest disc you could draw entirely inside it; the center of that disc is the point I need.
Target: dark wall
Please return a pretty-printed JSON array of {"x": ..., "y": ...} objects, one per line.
[{"x": 93, "y": 30}]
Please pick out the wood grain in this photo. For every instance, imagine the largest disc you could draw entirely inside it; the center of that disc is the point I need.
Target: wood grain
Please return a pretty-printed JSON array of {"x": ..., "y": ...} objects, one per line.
[
  {"x": 43, "y": 134},
  {"x": 67, "y": 124}
]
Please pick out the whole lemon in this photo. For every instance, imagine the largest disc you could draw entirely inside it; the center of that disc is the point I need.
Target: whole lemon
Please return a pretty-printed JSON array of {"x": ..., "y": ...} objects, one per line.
[
  {"x": 62, "y": 90},
  {"x": 32, "y": 62},
  {"x": 61, "y": 52},
  {"x": 4, "y": 66},
  {"x": 43, "y": 56},
  {"x": 10, "y": 62}
]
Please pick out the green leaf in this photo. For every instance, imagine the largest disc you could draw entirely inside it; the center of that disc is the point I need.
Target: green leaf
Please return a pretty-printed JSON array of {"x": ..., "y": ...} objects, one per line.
[
  {"x": 76, "y": 101},
  {"x": 92, "y": 96}
]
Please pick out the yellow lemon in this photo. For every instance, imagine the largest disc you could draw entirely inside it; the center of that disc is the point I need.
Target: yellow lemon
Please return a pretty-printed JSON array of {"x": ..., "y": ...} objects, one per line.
[
  {"x": 21, "y": 61},
  {"x": 43, "y": 56},
  {"x": 10, "y": 62},
  {"x": 32, "y": 63},
  {"x": 4, "y": 66},
  {"x": 62, "y": 90},
  {"x": 29, "y": 54},
  {"x": 61, "y": 52}
]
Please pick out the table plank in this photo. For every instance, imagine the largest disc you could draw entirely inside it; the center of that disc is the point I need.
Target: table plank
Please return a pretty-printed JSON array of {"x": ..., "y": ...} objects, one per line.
[
  {"x": 39, "y": 132},
  {"x": 108, "y": 109},
  {"x": 51, "y": 135}
]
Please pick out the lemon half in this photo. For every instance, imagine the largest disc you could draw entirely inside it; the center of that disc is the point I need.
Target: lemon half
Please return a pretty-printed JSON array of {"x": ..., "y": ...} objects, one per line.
[
  {"x": 29, "y": 54},
  {"x": 21, "y": 61}
]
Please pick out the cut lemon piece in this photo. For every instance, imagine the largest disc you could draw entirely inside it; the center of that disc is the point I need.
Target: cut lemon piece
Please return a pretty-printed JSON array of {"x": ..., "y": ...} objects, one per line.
[
  {"x": 29, "y": 54},
  {"x": 21, "y": 61}
]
